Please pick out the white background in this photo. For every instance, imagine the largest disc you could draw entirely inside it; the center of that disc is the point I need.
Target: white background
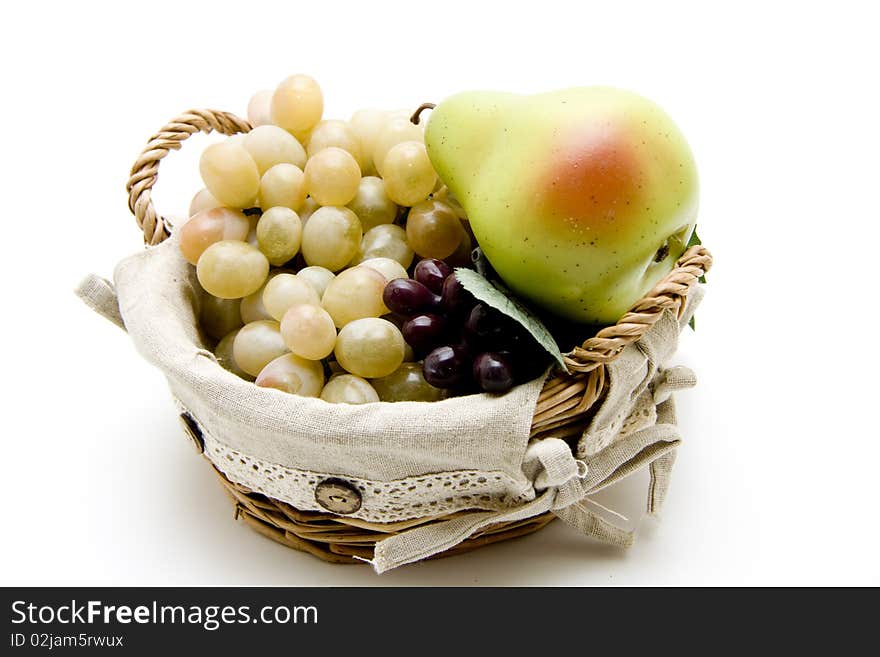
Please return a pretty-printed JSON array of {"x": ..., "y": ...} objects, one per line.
[{"x": 776, "y": 483}]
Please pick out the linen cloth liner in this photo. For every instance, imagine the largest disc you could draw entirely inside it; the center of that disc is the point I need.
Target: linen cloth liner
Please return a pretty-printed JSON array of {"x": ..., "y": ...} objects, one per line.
[{"x": 156, "y": 299}]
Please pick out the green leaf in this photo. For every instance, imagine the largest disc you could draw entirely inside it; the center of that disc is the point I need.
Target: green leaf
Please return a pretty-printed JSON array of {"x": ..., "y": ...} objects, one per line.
[
  {"x": 503, "y": 301},
  {"x": 695, "y": 239}
]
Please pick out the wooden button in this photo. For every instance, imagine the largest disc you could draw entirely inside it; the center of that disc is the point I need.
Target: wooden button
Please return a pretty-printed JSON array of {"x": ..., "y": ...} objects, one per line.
[
  {"x": 338, "y": 496},
  {"x": 193, "y": 432}
]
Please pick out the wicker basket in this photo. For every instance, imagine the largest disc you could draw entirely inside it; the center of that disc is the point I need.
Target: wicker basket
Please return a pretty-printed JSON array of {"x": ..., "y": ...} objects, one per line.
[{"x": 563, "y": 409}]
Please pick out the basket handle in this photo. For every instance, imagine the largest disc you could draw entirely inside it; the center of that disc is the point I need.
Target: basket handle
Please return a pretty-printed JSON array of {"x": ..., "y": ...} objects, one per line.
[
  {"x": 669, "y": 293},
  {"x": 145, "y": 170},
  {"x": 604, "y": 347},
  {"x": 567, "y": 398}
]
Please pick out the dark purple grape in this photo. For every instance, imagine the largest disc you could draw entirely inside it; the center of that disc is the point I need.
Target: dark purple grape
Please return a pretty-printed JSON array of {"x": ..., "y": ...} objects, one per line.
[
  {"x": 431, "y": 273},
  {"x": 488, "y": 328},
  {"x": 447, "y": 367},
  {"x": 493, "y": 372},
  {"x": 455, "y": 299},
  {"x": 408, "y": 297},
  {"x": 424, "y": 332},
  {"x": 529, "y": 360}
]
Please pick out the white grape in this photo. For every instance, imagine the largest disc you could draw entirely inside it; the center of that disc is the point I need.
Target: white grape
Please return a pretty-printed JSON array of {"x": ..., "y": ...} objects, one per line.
[
  {"x": 397, "y": 129},
  {"x": 259, "y": 109},
  {"x": 309, "y": 207},
  {"x": 297, "y": 104},
  {"x": 203, "y": 200},
  {"x": 390, "y": 269},
  {"x": 335, "y": 133},
  {"x": 349, "y": 389},
  {"x": 208, "y": 227},
  {"x": 292, "y": 374},
  {"x": 371, "y": 203},
  {"x": 332, "y": 176},
  {"x": 230, "y": 174},
  {"x": 269, "y": 145},
  {"x": 409, "y": 176},
  {"x": 331, "y": 237},
  {"x": 279, "y": 233},
  {"x": 433, "y": 230},
  {"x": 386, "y": 241},
  {"x": 252, "y": 308},
  {"x": 353, "y": 294},
  {"x": 366, "y": 125},
  {"x": 370, "y": 347},
  {"x": 283, "y": 185},
  {"x": 232, "y": 269},
  {"x": 407, "y": 383},
  {"x": 223, "y": 352},
  {"x": 256, "y": 344},
  {"x": 286, "y": 290},
  {"x": 308, "y": 331},
  {"x": 218, "y": 317},
  {"x": 318, "y": 277}
]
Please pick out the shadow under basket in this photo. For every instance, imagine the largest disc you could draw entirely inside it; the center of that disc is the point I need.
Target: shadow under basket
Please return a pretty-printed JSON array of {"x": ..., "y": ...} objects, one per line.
[{"x": 564, "y": 407}]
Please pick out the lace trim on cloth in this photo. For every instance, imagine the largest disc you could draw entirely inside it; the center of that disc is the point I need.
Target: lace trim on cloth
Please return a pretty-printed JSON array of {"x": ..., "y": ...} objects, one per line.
[
  {"x": 392, "y": 501},
  {"x": 381, "y": 501}
]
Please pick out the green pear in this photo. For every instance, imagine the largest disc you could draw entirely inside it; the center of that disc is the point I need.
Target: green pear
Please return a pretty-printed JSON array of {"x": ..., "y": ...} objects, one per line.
[{"x": 581, "y": 199}]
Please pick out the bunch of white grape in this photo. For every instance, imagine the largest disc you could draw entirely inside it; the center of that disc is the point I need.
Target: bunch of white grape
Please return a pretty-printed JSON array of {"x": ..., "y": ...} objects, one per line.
[{"x": 298, "y": 231}]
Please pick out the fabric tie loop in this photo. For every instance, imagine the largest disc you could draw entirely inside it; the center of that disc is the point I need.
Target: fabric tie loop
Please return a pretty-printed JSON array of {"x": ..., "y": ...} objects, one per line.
[
  {"x": 556, "y": 463},
  {"x": 669, "y": 380},
  {"x": 557, "y": 469}
]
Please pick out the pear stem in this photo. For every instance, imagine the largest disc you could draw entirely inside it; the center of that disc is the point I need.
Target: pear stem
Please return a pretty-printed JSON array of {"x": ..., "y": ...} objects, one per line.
[{"x": 415, "y": 117}]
